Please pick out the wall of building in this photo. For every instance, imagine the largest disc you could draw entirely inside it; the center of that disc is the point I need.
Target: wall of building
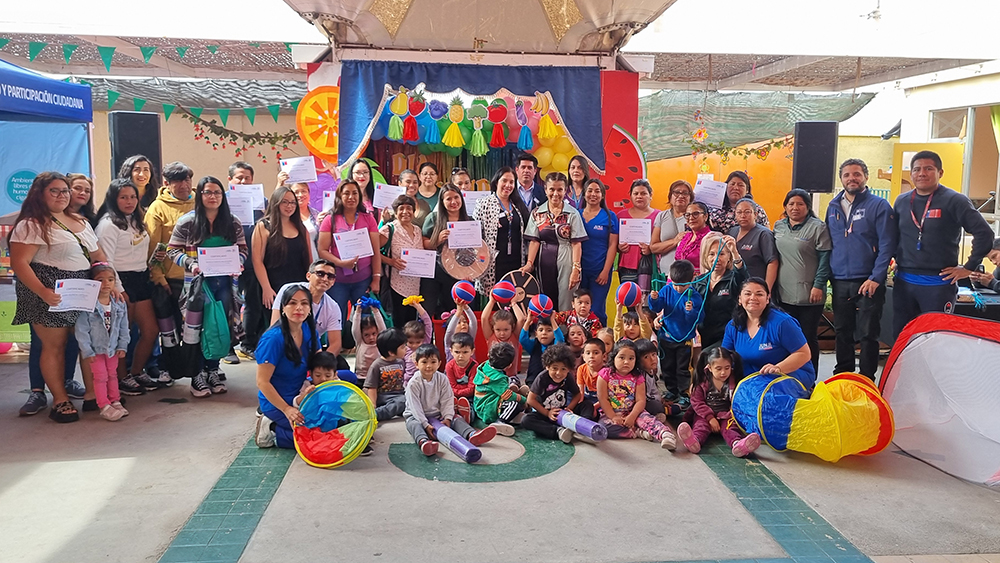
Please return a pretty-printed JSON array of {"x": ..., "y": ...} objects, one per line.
[{"x": 983, "y": 90}]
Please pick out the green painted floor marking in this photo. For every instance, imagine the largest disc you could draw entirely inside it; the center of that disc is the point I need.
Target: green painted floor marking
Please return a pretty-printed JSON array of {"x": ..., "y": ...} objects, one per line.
[{"x": 540, "y": 457}]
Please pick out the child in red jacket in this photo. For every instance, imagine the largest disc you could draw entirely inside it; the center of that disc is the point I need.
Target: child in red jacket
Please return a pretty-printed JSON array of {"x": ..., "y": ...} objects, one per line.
[{"x": 461, "y": 369}]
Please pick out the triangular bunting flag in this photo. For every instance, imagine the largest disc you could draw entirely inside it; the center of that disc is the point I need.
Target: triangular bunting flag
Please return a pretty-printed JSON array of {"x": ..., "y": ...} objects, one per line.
[
  {"x": 196, "y": 112},
  {"x": 251, "y": 114},
  {"x": 254, "y": 44},
  {"x": 273, "y": 110},
  {"x": 288, "y": 47},
  {"x": 212, "y": 48},
  {"x": 106, "y": 54},
  {"x": 147, "y": 52},
  {"x": 167, "y": 110},
  {"x": 68, "y": 51},
  {"x": 224, "y": 115},
  {"x": 112, "y": 98},
  {"x": 35, "y": 47},
  {"x": 181, "y": 51},
  {"x": 88, "y": 83},
  {"x": 295, "y": 105},
  {"x": 4, "y": 42},
  {"x": 137, "y": 103}
]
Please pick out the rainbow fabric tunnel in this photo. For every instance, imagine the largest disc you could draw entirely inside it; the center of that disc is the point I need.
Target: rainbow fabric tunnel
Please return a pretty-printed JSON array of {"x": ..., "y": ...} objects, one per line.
[
  {"x": 339, "y": 422},
  {"x": 844, "y": 415}
]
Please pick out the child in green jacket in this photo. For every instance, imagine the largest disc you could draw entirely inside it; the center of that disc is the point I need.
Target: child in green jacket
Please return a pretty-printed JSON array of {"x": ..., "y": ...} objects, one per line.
[{"x": 495, "y": 403}]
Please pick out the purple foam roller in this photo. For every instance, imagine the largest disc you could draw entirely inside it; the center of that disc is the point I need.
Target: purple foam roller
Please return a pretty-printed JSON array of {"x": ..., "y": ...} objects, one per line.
[
  {"x": 593, "y": 430},
  {"x": 457, "y": 444}
]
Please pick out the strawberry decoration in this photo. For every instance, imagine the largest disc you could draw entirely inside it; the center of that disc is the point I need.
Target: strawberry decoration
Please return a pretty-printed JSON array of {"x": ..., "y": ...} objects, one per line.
[
  {"x": 497, "y": 114},
  {"x": 416, "y": 106}
]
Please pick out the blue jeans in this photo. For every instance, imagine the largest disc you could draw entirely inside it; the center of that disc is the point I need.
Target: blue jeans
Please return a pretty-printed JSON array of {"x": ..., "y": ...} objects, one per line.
[
  {"x": 35, "y": 356},
  {"x": 344, "y": 293},
  {"x": 598, "y": 294}
]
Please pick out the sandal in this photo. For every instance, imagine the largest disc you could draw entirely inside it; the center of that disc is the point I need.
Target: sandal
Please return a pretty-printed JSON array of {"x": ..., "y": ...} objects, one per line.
[{"x": 64, "y": 412}]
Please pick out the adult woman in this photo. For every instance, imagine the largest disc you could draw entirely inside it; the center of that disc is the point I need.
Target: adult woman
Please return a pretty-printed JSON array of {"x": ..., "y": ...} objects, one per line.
[
  {"x": 600, "y": 248},
  {"x": 404, "y": 235},
  {"x": 576, "y": 190},
  {"x": 689, "y": 247},
  {"x": 722, "y": 288},
  {"x": 282, "y": 355},
  {"x": 636, "y": 262},
  {"x": 309, "y": 216},
  {"x": 81, "y": 201},
  {"x": 668, "y": 228},
  {"x": 140, "y": 170},
  {"x": 361, "y": 172},
  {"x": 755, "y": 242},
  {"x": 48, "y": 243},
  {"x": 737, "y": 187},
  {"x": 280, "y": 245},
  {"x": 123, "y": 237},
  {"x": 503, "y": 218},
  {"x": 461, "y": 178},
  {"x": 210, "y": 225},
  {"x": 554, "y": 234},
  {"x": 437, "y": 290},
  {"x": 768, "y": 340},
  {"x": 409, "y": 180},
  {"x": 355, "y": 276},
  {"x": 804, "y": 245},
  {"x": 428, "y": 190}
]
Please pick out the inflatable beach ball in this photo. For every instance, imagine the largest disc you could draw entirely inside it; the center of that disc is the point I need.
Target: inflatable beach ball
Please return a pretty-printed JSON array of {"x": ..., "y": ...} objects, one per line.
[
  {"x": 504, "y": 291},
  {"x": 628, "y": 294},
  {"x": 463, "y": 292},
  {"x": 541, "y": 305}
]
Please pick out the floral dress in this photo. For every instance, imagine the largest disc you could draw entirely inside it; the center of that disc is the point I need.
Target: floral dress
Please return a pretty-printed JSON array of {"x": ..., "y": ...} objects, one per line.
[{"x": 556, "y": 233}]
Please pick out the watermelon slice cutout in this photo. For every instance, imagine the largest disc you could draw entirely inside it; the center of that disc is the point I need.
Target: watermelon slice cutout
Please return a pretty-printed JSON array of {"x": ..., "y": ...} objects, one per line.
[{"x": 625, "y": 163}]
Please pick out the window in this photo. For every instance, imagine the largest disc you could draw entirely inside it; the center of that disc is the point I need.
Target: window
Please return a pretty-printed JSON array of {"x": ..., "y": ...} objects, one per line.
[{"x": 949, "y": 123}]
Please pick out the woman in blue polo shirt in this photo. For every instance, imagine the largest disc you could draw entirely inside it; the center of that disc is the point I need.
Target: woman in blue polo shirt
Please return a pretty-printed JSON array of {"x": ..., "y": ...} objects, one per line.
[
  {"x": 600, "y": 248},
  {"x": 768, "y": 340}
]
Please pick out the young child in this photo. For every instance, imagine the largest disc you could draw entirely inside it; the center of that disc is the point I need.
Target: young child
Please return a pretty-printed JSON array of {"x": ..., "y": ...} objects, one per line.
[
  {"x": 607, "y": 336},
  {"x": 576, "y": 337},
  {"x": 504, "y": 326},
  {"x": 430, "y": 396},
  {"x": 384, "y": 381},
  {"x": 543, "y": 334},
  {"x": 682, "y": 311},
  {"x": 461, "y": 371},
  {"x": 621, "y": 390},
  {"x": 594, "y": 351},
  {"x": 648, "y": 358},
  {"x": 463, "y": 320},
  {"x": 365, "y": 329},
  {"x": 553, "y": 391},
  {"x": 581, "y": 314},
  {"x": 631, "y": 325},
  {"x": 711, "y": 404},
  {"x": 495, "y": 403},
  {"x": 651, "y": 320},
  {"x": 103, "y": 335},
  {"x": 417, "y": 332}
]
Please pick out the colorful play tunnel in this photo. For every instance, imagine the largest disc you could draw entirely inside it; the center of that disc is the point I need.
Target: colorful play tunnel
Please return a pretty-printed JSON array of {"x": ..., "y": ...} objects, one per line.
[
  {"x": 844, "y": 415},
  {"x": 339, "y": 422}
]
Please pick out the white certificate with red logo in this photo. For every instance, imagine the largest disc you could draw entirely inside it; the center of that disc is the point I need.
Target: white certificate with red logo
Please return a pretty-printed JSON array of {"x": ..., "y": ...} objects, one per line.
[
  {"x": 219, "y": 261},
  {"x": 465, "y": 234},
  {"x": 635, "y": 231},
  {"x": 419, "y": 263}
]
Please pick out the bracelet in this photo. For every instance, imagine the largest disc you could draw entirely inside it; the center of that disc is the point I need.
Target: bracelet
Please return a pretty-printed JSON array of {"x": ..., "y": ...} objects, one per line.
[{"x": 377, "y": 275}]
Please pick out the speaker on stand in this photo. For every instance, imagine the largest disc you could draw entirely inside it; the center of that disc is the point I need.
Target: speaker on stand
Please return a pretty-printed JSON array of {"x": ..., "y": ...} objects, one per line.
[
  {"x": 133, "y": 133},
  {"x": 814, "y": 156}
]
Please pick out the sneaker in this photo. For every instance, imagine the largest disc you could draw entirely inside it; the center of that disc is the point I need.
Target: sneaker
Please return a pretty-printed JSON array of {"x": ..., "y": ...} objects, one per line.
[
  {"x": 146, "y": 382},
  {"x": 367, "y": 451},
  {"x": 583, "y": 438},
  {"x": 75, "y": 389},
  {"x": 231, "y": 358},
  {"x": 36, "y": 403},
  {"x": 672, "y": 409},
  {"x": 214, "y": 383},
  {"x": 687, "y": 437},
  {"x": 199, "y": 387},
  {"x": 503, "y": 428},
  {"x": 244, "y": 353},
  {"x": 480, "y": 437},
  {"x": 111, "y": 413},
  {"x": 746, "y": 446},
  {"x": 668, "y": 442},
  {"x": 642, "y": 434},
  {"x": 64, "y": 412},
  {"x": 90, "y": 405},
  {"x": 661, "y": 417},
  {"x": 524, "y": 390},
  {"x": 128, "y": 386},
  {"x": 428, "y": 447},
  {"x": 514, "y": 383},
  {"x": 684, "y": 402},
  {"x": 565, "y": 434},
  {"x": 163, "y": 378},
  {"x": 263, "y": 435},
  {"x": 118, "y": 405},
  {"x": 671, "y": 397},
  {"x": 464, "y": 409}
]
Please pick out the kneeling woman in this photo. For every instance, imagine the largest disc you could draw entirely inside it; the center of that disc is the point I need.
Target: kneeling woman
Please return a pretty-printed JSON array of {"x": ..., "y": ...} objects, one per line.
[
  {"x": 282, "y": 362},
  {"x": 768, "y": 340}
]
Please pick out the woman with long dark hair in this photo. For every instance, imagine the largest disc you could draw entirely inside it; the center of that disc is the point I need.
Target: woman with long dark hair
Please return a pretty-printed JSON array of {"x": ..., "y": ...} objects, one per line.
[
  {"x": 503, "y": 217},
  {"x": 578, "y": 177},
  {"x": 81, "y": 200},
  {"x": 600, "y": 248},
  {"x": 210, "y": 225},
  {"x": 361, "y": 172},
  {"x": 437, "y": 290},
  {"x": 281, "y": 251},
  {"x": 144, "y": 175}
]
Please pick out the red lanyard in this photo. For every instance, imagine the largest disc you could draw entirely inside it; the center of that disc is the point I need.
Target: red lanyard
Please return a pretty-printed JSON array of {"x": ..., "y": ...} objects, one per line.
[{"x": 920, "y": 225}]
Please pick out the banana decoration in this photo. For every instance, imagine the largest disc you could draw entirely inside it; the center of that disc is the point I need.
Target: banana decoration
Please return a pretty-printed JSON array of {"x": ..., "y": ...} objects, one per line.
[
  {"x": 456, "y": 113},
  {"x": 546, "y": 128},
  {"x": 524, "y": 140},
  {"x": 399, "y": 106},
  {"x": 541, "y": 105}
]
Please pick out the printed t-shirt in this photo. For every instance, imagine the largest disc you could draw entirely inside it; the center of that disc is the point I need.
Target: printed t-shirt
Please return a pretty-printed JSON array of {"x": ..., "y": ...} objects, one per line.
[
  {"x": 386, "y": 376},
  {"x": 621, "y": 390},
  {"x": 554, "y": 395}
]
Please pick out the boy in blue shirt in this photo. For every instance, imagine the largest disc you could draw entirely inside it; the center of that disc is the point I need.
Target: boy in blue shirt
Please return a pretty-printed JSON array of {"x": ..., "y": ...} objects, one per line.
[
  {"x": 682, "y": 309},
  {"x": 543, "y": 335}
]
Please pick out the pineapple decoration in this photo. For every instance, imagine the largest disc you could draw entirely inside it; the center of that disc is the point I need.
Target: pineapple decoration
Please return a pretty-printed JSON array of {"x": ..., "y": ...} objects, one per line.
[
  {"x": 399, "y": 106},
  {"x": 415, "y": 107},
  {"x": 546, "y": 128},
  {"x": 477, "y": 113},
  {"x": 456, "y": 113},
  {"x": 497, "y": 116},
  {"x": 524, "y": 141}
]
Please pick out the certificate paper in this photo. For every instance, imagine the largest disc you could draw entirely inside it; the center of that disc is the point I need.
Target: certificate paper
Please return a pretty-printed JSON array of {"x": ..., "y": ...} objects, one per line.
[
  {"x": 419, "y": 263},
  {"x": 635, "y": 231},
  {"x": 710, "y": 192},
  {"x": 465, "y": 234},
  {"x": 241, "y": 206},
  {"x": 219, "y": 261},
  {"x": 328, "y": 199},
  {"x": 255, "y": 191},
  {"x": 471, "y": 198},
  {"x": 300, "y": 169},
  {"x": 77, "y": 295},
  {"x": 386, "y": 194},
  {"x": 353, "y": 243}
]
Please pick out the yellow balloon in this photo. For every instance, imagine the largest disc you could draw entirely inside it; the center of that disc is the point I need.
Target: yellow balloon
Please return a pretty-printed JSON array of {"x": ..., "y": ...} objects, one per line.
[
  {"x": 563, "y": 145},
  {"x": 544, "y": 156},
  {"x": 560, "y": 162},
  {"x": 546, "y": 171},
  {"x": 547, "y": 142}
]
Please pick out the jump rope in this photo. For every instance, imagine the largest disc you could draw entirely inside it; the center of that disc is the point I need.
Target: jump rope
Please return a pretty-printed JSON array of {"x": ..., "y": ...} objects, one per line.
[{"x": 686, "y": 295}]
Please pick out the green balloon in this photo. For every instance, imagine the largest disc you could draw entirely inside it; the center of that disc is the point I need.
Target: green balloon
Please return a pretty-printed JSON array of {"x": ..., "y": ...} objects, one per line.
[
  {"x": 438, "y": 147},
  {"x": 424, "y": 148},
  {"x": 443, "y": 125},
  {"x": 453, "y": 151},
  {"x": 466, "y": 134}
]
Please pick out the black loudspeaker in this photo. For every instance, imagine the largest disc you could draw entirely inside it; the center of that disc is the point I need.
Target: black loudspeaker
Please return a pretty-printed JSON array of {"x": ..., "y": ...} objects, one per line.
[
  {"x": 133, "y": 133},
  {"x": 814, "y": 156}
]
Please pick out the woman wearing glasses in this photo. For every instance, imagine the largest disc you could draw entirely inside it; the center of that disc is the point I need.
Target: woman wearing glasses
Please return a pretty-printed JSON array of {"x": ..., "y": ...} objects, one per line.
[
  {"x": 428, "y": 191},
  {"x": 361, "y": 172},
  {"x": 737, "y": 188},
  {"x": 668, "y": 228},
  {"x": 280, "y": 251},
  {"x": 689, "y": 247}
]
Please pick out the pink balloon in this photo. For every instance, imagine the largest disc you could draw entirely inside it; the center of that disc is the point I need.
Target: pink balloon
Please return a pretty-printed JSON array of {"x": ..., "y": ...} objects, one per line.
[
  {"x": 533, "y": 122},
  {"x": 514, "y": 134},
  {"x": 5, "y": 347}
]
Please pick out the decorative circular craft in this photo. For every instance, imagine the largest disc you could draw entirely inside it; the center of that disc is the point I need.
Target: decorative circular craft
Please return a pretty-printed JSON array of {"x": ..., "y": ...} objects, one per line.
[
  {"x": 318, "y": 121},
  {"x": 527, "y": 286},
  {"x": 466, "y": 263}
]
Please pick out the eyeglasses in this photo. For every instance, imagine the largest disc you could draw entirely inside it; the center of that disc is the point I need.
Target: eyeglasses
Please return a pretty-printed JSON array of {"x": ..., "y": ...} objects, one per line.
[
  {"x": 691, "y": 214},
  {"x": 283, "y": 202},
  {"x": 682, "y": 194},
  {"x": 327, "y": 275},
  {"x": 211, "y": 193},
  {"x": 55, "y": 192}
]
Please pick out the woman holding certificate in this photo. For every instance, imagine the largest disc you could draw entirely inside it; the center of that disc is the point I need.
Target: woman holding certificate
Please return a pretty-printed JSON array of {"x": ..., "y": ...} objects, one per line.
[
  {"x": 403, "y": 235},
  {"x": 554, "y": 234},
  {"x": 503, "y": 217},
  {"x": 281, "y": 251},
  {"x": 737, "y": 187},
  {"x": 450, "y": 208},
  {"x": 689, "y": 248},
  {"x": 636, "y": 260},
  {"x": 48, "y": 243},
  {"x": 210, "y": 225}
]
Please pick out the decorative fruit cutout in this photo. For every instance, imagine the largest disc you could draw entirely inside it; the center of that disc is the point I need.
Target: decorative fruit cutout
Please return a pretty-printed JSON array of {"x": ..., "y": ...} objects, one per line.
[
  {"x": 625, "y": 163},
  {"x": 400, "y": 105},
  {"x": 497, "y": 114},
  {"x": 524, "y": 140},
  {"x": 415, "y": 107},
  {"x": 417, "y": 103},
  {"x": 477, "y": 113},
  {"x": 456, "y": 113},
  {"x": 541, "y": 105},
  {"x": 318, "y": 121}
]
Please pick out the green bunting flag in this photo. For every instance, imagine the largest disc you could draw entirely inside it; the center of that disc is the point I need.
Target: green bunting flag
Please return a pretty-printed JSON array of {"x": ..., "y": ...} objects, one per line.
[
  {"x": 181, "y": 51},
  {"x": 196, "y": 112},
  {"x": 106, "y": 54},
  {"x": 273, "y": 110},
  {"x": 112, "y": 98},
  {"x": 4, "y": 42},
  {"x": 254, "y": 44},
  {"x": 251, "y": 114},
  {"x": 147, "y": 52},
  {"x": 212, "y": 48},
  {"x": 137, "y": 103},
  {"x": 68, "y": 51},
  {"x": 295, "y": 105},
  {"x": 288, "y": 47},
  {"x": 224, "y": 115},
  {"x": 35, "y": 47},
  {"x": 167, "y": 110}
]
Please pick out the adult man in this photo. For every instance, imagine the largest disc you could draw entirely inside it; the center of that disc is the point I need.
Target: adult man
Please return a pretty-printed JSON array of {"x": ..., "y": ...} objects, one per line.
[
  {"x": 990, "y": 281},
  {"x": 864, "y": 233},
  {"x": 931, "y": 218},
  {"x": 532, "y": 192},
  {"x": 321, "y": 276},
  {"x": 241, "y": 173}
]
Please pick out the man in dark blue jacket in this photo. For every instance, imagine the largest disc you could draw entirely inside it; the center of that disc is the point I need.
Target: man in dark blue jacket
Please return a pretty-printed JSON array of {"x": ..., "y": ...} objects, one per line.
[
  {"x": 864, "y": 233},
  {"x": 531, "y": 191}
]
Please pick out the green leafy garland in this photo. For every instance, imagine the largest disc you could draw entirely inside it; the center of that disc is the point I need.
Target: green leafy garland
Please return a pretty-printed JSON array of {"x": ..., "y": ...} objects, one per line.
[
  {"x": 241, "y": 142},
  {"x": 699, "y": 144}
]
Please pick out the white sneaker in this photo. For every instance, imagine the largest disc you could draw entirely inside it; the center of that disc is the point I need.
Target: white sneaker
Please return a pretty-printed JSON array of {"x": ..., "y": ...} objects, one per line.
[
  {"x": 583, "y": 438},
  {"x": 566, "y": 435},
  {"x": 118, "y": 405},
  {"x": 503, "y": 428},
  {"x": 263, "y": 435},
  {"x": 669, "y": 442},
  {"x": 199, "y": 387},
  {"x": 111, "y": 413},
  {"x": 643, "y": 435}
]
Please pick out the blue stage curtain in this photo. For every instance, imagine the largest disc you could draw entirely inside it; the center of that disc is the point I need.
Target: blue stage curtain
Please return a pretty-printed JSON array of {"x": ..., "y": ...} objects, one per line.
[{"x": 576, "y": 91}]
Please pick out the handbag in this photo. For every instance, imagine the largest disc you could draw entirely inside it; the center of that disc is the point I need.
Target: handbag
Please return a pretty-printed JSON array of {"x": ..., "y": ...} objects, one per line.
[{"x": 214, "y": 328}]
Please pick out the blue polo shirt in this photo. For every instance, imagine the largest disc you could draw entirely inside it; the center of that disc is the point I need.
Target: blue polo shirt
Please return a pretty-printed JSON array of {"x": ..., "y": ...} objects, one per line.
[
  {"x": 595, "y": 248},
  {"x": 777, "y": 338},
  {"x": 287, "y": 378}
]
